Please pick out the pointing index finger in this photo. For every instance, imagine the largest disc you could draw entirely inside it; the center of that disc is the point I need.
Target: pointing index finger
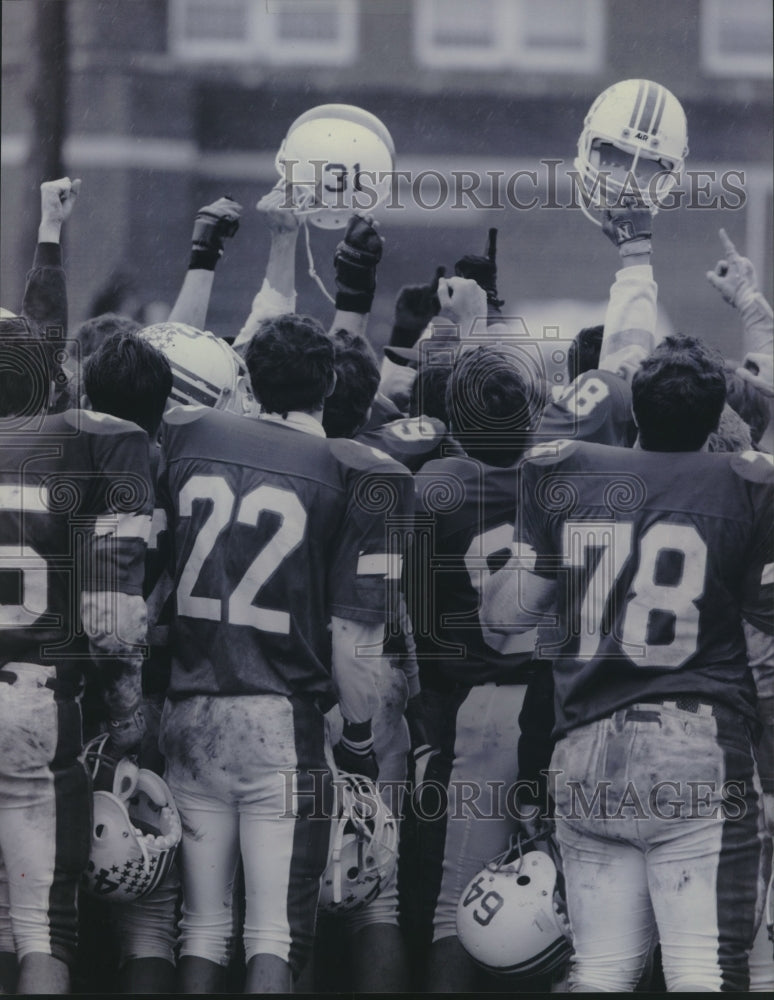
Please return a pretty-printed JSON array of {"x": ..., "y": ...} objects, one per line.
[{"x": 729, "y": 249}]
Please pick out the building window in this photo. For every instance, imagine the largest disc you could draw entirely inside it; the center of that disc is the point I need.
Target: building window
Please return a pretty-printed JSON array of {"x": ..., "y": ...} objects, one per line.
[
  {"x": 312, "y": 32},
  {"x": 736, "y": 38},
  {"x": 565, "y": 36}
]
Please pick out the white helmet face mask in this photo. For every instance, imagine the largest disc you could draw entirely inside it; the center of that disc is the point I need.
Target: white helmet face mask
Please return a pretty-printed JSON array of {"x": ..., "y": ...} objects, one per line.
[
  {"x": 206, "y": 371},
  {"x": 510, "y": 916},
  {"x": 136, "y": 828},
  {"x": 634, "y": 141},
  {"x": 363, "y": 850},
  {"x": 335, "y": 159}
]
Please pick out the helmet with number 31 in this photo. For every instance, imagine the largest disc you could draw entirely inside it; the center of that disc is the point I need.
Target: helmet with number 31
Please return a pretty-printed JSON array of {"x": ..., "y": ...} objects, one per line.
[
  {"x": 510, "y": 916},
  {"x": 634, "y": 141},
  {"x": 335, "y": 159}
]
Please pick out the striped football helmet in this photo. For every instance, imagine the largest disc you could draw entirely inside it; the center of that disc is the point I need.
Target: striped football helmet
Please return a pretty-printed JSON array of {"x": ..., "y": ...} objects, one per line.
[
  {"x": 206, "y": 371},
  {"x": 634, "y": 140}
]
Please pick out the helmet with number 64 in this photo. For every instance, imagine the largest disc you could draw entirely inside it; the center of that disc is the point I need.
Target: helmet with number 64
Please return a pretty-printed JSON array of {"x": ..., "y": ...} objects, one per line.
[{"x": 510, "y": 915}]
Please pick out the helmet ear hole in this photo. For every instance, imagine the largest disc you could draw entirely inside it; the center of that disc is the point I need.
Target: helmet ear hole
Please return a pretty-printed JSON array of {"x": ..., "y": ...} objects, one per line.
[
  {"x": 362, "y": 855},
  {"x": 99, "y": 830},
  {"x": 509, "y": 922}
]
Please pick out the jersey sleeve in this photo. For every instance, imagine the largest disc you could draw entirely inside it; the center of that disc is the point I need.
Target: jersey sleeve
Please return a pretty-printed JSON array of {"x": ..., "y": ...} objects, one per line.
[
  {"x": 364, "y": 576},
  {"x": 630, "y": 321},
  {"x": 113, "y": 610}
]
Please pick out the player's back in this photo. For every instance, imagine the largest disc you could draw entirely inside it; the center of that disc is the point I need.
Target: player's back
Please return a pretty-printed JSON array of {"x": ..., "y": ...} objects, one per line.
[
  {"x": 268, "y": 539},
  {"x": 595, "y": 407},
  {"x": 75, "y": 504},
  {"x": 412, "y": 441},
  {"x": 467, "y": 510},
  {"x": 659, "y": 556}
]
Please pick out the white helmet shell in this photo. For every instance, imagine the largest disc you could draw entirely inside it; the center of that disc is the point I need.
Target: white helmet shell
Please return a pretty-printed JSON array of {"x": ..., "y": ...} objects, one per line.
[
  {"x": 508, "y": 920},
  {"x": 206, "y": 371},
  {"x": 635, "y": 135},
  {"x": 334, "y": 160},
  {"x": 363, "y": 851},
  {"x": 136, "y": 831}
]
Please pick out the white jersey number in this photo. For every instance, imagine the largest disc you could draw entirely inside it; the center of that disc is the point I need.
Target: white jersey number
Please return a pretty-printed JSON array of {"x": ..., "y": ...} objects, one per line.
[
  {"x": 481, "y": 548},
  {"x": 668, "y": 583},
  {"x": 238, "y": 608}
]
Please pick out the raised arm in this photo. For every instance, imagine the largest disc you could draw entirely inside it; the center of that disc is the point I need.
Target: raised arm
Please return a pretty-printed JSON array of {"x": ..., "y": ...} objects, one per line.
[
  {"x": 277, "y": 294},
  {"x": 213, "y": 224},
  {"x": 630, "y": 321}
]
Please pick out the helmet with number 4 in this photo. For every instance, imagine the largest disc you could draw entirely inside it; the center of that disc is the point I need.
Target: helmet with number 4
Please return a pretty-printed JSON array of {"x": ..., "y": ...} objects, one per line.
[
  {"x": 135, "y": 830},
  {"x": 510, "y": 917},
  {"x": 335, "y": 158},
  {"x": 363, "y": 850},
  {"x": 634, "y": 140},
  {"x": 206, "y": 371}
]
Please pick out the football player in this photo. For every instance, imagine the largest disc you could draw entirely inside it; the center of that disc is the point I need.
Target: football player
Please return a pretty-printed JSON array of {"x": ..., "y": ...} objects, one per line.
[
  {"x": 472, "y": 693},
  {"x": 283, "y": 579},
  {"x": 74, "y": 519},
  {"x": 652, "y": 577}
]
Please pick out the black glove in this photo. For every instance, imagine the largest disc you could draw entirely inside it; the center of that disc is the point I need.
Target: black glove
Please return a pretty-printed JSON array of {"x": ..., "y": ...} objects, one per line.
[
  {"x": 629, "y": 226},
  {"x": 414, "y": 308},
  {"x": 355, "y": 260},
  {"x": 213, "y": 224},
  {"x": 354, "y": 753},
  {"x": 483, "y": 270}
]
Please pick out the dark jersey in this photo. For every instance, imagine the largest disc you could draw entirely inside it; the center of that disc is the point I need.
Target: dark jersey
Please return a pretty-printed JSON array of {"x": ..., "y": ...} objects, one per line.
[
  {"x": 658, "y": 558},
  {"x": 273, "y": 531},
  {"x": 464, "y": 527},
  {"x": 75, "y": 504},
  {"x": 412, "y": 441},
  {"x": 596, "y": 407}
]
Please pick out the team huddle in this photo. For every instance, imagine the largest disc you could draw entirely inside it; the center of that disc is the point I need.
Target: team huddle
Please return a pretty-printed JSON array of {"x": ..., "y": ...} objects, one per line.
[{"x": 322, "y": 672}]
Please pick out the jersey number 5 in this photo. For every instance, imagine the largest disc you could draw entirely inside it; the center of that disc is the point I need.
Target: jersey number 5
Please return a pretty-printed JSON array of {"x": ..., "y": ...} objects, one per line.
[{"x": 238, "y": 608}]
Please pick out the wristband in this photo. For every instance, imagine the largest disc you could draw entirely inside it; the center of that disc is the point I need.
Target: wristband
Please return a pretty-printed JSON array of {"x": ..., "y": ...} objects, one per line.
[
  {"x": 635, "y": 247},
  {"x": 204, "y": 260}
]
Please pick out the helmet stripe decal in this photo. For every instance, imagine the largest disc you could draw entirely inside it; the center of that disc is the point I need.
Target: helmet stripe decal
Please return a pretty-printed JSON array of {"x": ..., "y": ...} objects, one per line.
[
  {"x": 636, "y": 107},
  {"x": 650, "y": 104},
  {"x": 659, "y": 111},
  {"x": 188, "y": 391}
]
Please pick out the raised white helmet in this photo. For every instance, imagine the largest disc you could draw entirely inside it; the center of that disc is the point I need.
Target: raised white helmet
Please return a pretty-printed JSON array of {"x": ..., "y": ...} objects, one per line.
[
  {"x": 510, "y": 916},
  {"x": 634, "y": 140},
  {"x": 363, "y": 851},
  {"x": 335, "y": 159},
  {"x": 206, "y": 371},
  {"x": 136, "y": 828}
]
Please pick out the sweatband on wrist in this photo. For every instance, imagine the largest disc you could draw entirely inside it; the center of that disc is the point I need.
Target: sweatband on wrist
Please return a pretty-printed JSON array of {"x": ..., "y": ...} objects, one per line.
[{"x": 204, "y": 260}]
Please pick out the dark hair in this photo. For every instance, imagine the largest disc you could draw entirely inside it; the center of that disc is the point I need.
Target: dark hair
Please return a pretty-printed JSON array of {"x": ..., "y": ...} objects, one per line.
[
  {"x": 678, "y": 394},
  {"x": 290, "y": 359},
  {"x": 129, "y": 378},
  {"x": 428, "y": 393},
  {"x": 357, "y": 379},
  {"x": 583, "y": 353},
  {"x": 93, "y": 332},
  {"x": 27, "y": 366},
  {"x": 489, "y": 404},
  {"x": 748, "y": 401}
]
